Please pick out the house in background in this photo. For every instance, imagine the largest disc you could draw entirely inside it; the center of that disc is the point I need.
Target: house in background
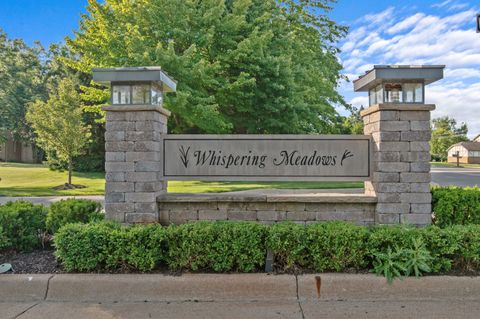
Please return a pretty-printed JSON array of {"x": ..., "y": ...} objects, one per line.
[
  {"x": 468, "y": 152},
  {"x": 477, "y": 138},
  {"x": 15, "y": 151}
]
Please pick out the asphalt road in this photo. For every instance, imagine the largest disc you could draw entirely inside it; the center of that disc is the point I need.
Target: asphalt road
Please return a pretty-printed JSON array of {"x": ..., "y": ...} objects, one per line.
[{"x": 446, "y": 176}]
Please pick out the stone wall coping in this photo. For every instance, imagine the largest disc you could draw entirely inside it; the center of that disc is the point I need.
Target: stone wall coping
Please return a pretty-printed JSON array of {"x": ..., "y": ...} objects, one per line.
[
  {"x": 285, "y": 198},
  {"x": 397, "y": 107},
  {"x": 136, "y": 108}
]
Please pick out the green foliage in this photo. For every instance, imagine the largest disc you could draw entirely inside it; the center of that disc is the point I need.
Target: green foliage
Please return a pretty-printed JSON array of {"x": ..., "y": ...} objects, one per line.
[
  {"x": 137, "y": 247},
  {"x": 445, "y": 133},
  {"x": 21, "y": 82},
  {"x": 85, "y": 247},
  {"x": 467, "y": 256},
  {"x": 443, "y": 245},
  {"x": 393, "y": 252},
  {"x": 401, "y": 261},
  {"x": 337, "y": 246},
  {"x": 417, "y": 258},
  {"x": 389, "y": 264},
  {"x": 22, "y": 226},
  {"x": 58, "y": 123},
  {"x": 72, "y": 211},
  {"x": 456, "y": 206},
  {"x": 243, "y": 66},
  {"x": 217, "y": 246},
  {"x": 288, "y": 241}
]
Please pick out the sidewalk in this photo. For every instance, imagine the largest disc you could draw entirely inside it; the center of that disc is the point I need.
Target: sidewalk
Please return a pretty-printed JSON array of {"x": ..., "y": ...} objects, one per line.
[
  {"x": 48, "y": 200},
  {"x": 242, "y": 296}
]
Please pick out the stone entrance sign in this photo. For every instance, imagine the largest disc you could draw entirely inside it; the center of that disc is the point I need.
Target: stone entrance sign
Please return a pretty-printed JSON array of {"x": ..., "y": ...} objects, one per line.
[
  {"x": 392, "y": 157},
  {"x": 266, "y": 157}
]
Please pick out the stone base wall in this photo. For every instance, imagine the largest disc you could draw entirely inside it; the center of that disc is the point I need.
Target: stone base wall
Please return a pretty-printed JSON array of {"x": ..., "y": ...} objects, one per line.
[{"x": 185, "y": 208}]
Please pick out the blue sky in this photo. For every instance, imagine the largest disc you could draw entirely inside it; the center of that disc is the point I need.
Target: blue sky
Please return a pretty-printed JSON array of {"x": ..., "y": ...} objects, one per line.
[{"x": 381, "y": 32}]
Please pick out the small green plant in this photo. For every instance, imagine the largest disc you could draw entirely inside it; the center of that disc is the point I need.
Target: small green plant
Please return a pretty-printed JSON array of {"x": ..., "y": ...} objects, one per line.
[
  {"x": 402, "y": 261},
  {"x": 72, "y": 211},
  {"x": 389, "y": 264},
  {"x": 417, "y": 258}
]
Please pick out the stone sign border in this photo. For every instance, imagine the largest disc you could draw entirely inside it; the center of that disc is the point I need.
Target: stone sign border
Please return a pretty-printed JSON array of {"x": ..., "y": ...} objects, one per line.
[{"x": 273, "y": 137}]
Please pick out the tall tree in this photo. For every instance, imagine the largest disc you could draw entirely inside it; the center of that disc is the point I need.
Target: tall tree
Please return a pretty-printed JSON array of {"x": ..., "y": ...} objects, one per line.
[
  {"x": 21, "y": 82},
  {"x": 445, "y": 133},
  {"x": 243, "y": 66},
  {"x": 58, "y": 123}
]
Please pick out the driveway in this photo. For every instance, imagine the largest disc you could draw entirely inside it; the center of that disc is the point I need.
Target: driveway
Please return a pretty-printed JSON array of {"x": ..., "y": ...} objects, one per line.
[{"x": 448, "y": 176}]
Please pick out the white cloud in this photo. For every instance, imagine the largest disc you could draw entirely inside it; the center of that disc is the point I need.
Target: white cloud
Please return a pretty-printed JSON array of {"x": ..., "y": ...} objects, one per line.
[
  {"x": 359, "y": 101},
  {"x": 462, "y": 73},
  {"x": 460, "y": 102},
  {"x": 405, "y": 24},
  {"x": 442, "y": 4},
  {"x": 381, "y": 17}
]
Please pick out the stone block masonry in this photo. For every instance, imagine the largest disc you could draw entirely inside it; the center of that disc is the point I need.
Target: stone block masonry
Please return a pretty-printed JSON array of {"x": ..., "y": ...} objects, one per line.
[
  {"x": 401, "y": 176},
  {"x": 267, "y": 209},
  {"x": 133, "y": 153}
]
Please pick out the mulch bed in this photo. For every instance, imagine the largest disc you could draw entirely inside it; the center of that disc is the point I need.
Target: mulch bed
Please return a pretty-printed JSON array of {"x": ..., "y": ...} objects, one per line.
[
  {"x": 36, "y": 262},
  {"x": 45, "y": 262}
]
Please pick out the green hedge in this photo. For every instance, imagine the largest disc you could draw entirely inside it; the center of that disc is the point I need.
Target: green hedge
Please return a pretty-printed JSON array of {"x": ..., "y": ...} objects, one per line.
[
  {"x": 22, "y": 226},
  {"x": 456, "y": 206},
  {"x": 72, "y": 211},
  {"x": 242, "y": 246},
  {"x": 25, "y": 226}
]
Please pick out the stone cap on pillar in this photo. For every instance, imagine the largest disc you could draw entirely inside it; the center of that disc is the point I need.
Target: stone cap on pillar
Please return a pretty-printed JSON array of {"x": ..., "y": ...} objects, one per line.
[
  {"x": 136, "y": 86},
  {"x": 398, "y": 84}
]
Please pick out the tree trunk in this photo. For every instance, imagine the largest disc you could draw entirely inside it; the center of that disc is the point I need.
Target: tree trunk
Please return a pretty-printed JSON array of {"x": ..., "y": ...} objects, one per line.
[{"x": 70, "y": 167}]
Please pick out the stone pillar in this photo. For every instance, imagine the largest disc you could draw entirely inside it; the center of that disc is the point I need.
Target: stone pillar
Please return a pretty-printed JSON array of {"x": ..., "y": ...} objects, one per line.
[
  {"x": 132, "y": 162},
  {"x": 401, "y": 162}
]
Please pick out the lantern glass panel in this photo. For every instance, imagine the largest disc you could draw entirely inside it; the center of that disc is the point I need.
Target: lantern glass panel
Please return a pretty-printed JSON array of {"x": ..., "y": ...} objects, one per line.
[
  {"x": 409, "y": 91},
  {"x": 378, "y": 94},
  {"x": 393, "y": 93},
  {"x": 141, "y": 94},
  {"x": 157, "y": 97},
  {"x": 418, "y": 93},
  {"x": 371, "y": 97},
  {"x": 121, "y": 94}
]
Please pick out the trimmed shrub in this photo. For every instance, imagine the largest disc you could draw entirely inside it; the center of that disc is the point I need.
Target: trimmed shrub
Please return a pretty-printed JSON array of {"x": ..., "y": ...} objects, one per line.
[
  {"x": 392, "y": 251},
  {"x": 218, "y": 246},
  {"x": 456, "y": 206},
  {"x": 137, "y": 247},
  {"x": 443, "y": 245},
  {"x": 22, "y": 226},
  {"x": 336, "y": 246},
  {"x": 107, "y": 245},
  {"x": 288, "y": 242},
  {"x": 467, "y": 256},
  {"x": 72, "y": 211}
]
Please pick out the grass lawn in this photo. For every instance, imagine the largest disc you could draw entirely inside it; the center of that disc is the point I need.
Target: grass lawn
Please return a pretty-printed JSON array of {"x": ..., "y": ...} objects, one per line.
[
  {"x": 444, "y": 164},
  {"x": 37, "y": 180}
]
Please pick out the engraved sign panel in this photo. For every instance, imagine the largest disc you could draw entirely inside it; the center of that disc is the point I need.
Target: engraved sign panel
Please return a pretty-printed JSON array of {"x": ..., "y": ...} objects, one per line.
[{"x": 266, "y": 157}]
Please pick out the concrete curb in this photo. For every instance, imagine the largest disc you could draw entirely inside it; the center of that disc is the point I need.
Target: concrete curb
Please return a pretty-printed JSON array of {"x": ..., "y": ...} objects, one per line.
[
  {"x": 232, "y": 287},
  {"x": 155, "y": 287},
  {"x": 23, "y": 287},
  {"x": 374, "y": 288}
]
